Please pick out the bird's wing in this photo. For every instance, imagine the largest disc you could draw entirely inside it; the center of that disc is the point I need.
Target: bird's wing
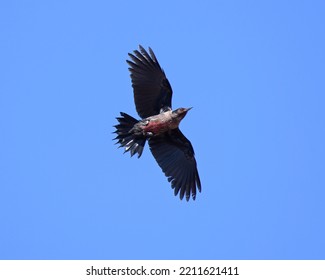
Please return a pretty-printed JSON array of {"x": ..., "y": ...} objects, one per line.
[
  {"x": 152, "y": 91},
  {"x": 175, "y": 155}
]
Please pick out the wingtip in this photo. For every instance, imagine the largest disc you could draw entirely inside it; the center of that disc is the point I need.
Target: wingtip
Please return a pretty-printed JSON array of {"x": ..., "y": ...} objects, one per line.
[{"x": 140, "y": 47}]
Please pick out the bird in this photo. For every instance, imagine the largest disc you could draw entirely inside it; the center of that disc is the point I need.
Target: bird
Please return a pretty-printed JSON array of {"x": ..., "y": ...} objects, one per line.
[{"x": 159, "y": 125}]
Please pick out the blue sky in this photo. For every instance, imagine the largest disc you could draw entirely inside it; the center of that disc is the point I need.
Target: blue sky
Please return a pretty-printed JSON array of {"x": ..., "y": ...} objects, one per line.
[{"x": 254, "y": 73}]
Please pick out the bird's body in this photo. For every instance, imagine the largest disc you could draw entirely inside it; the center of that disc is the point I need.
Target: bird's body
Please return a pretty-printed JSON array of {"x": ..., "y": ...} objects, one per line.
[{"x": 159, "y": 125}]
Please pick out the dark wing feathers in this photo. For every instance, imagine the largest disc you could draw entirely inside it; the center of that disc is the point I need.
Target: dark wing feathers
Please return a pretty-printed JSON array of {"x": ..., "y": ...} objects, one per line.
[
  {"x": 173, "y": 151},
  {"x": 152, "y": 91},
  {"x": 175, "y": 155}
]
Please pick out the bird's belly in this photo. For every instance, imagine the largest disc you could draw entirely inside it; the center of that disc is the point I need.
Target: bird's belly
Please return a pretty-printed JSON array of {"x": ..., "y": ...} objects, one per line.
[{"x": 157, "y": 127}]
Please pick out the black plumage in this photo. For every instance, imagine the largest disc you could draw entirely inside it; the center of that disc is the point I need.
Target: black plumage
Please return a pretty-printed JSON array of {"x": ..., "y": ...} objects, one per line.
[
  {"x": 159, "y": 125},
  {"x": 152, "y": 91}
]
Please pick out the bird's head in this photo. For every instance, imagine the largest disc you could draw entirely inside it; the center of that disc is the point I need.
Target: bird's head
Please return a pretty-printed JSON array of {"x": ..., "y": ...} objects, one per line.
[{"x": 180, "y": 113}]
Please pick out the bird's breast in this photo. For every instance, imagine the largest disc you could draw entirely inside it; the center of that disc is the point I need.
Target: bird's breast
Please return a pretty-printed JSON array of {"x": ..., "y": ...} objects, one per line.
[{"x": 158, "y": 126}]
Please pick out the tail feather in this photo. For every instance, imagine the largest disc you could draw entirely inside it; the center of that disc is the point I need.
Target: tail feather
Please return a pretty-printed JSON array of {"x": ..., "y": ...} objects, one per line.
[{"x": 132, "y": 143}]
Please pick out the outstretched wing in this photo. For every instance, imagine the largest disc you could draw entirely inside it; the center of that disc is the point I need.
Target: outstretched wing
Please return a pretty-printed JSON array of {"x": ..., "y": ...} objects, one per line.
[
  {"x": 175, "y": 155},
  {"x": 152, "y": 91}
]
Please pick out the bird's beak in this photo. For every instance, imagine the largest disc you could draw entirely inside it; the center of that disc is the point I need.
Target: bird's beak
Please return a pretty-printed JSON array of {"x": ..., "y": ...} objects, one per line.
[{"x": 187, "y": 109}]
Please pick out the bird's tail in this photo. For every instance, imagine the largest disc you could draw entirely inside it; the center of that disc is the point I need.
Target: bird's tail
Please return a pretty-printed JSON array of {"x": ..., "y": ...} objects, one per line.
[{"x": 126, "y": 138}]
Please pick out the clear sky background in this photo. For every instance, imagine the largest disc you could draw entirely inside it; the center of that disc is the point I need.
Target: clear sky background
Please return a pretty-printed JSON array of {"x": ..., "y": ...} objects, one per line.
[{"x": 254, "y": 71}]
